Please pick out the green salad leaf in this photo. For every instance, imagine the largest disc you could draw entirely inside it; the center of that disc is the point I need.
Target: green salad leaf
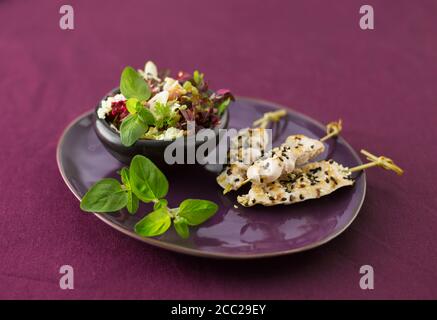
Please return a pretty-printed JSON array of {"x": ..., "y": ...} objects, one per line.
[
  {"x": 197, "y": 211},
  {"x": 132, "y": 85},
  {"x": 146, "y": 116},
  {"x": 148, "y": 182},
  {"x": 163, "y": 114},
  {"x": 107, "y": 195},
  {"x": 223, "y": 106},
  {"x": 132, "y": 200},
  {"x": 132, "y": 128},
  {"x": 181, "y": 227},
  {"x": 144, "y": 181},
  {"x": 154, "y": 224}
]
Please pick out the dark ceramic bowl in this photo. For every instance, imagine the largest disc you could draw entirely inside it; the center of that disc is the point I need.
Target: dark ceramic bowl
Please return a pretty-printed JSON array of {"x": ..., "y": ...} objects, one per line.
[{"x": 152, "y": 149}]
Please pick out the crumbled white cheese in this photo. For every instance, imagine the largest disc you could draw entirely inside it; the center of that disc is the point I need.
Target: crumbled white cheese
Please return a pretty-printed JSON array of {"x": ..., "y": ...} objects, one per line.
[
  {"x": 150, "y": 71},
  {"x": 170, "y": 134},
  {"x": 174, "y": 88},
  {"x": 106, "y": 105},
  {"x": 119, "y": 97},
  {"x": 161, "y": 97}
]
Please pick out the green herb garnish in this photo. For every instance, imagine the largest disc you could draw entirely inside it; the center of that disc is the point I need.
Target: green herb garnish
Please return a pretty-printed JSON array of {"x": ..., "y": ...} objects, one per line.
[
  {"x": 107, "y": 195},
  {"x": 144, "y": 181},
  {"x": 223, "y": 106},
  {"x": 137, "y": 91},
  {"x": 198, "y": 78},
  {"x": 132, "y": 85}
]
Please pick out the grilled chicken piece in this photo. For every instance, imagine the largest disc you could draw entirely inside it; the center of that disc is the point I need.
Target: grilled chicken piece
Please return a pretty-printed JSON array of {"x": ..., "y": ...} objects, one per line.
[
  {"x": 296, "y": 151},
  {"x": 311, "y": 181},
  {"x": 247, "y": 146}
]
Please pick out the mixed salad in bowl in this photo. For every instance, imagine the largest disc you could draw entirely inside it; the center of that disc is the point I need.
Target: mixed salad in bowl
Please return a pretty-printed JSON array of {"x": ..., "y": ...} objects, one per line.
[{"x": 153, "y": 105}]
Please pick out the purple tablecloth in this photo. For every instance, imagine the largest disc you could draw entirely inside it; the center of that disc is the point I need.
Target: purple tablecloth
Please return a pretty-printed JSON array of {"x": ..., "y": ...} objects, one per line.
[{"x": 309, "y": 55}]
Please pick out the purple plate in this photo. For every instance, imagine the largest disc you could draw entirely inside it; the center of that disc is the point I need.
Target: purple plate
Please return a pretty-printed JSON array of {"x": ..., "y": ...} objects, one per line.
[{"x": 236, "y": 233}]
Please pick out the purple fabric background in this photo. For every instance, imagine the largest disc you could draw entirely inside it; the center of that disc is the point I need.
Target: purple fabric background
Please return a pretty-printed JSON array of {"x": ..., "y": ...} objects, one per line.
[{"x": 309, "y": 55}]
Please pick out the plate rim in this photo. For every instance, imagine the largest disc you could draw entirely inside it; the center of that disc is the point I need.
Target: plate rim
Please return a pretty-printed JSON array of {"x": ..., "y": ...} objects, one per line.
[{"x": 206, "y": 254}]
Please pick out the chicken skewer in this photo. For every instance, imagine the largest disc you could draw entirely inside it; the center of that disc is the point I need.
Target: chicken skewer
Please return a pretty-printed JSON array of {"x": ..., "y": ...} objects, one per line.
[
  {"x": 312, "y": 181},
  {"x": 297, "y": 150},
  {"x": 247, "y": 146}
]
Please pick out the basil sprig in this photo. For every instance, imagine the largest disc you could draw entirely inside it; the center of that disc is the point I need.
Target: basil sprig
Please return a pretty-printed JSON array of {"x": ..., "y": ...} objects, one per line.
[
  {"x": 144, "y": 181},
  {"x": 107, "y": 195},
  {"x": 132, "y": 85},
  {"x": 137, "y": 91}
]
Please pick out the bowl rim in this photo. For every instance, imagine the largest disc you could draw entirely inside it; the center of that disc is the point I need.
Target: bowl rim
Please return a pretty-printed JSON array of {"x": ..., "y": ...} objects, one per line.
[{"x": 224, "y": 120}]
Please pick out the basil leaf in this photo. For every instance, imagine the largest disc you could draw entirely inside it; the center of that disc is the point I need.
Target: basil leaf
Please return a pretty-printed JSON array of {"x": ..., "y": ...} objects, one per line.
[
  {"x": 106, "y": 195},
  {"x": 146, "y": 115},
  {"x": 147, "y": 181},
  {"x": 160, "y": 204},
  {"x": 124, "y": 173},
  {"x": 197, "y": 211},
  {"x": 132, "y": 202},
  {"x": 131, "y": 105},
  {"x": 223, "y": 106},
  {"x": 181, "y": 227},
  {"x": 132, "y": 128},
  {"x": 134, "y": 106},
  {"x": 132, "y": 85},
  {"x": 154, "y": 224}
]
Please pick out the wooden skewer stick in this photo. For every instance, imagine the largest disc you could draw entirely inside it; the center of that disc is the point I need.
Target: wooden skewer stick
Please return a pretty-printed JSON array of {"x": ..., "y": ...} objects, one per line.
[
  {"x": 380, "y": 161},
  {"x": 332, "y": 129},
  {"x": 268, "y": 117}
]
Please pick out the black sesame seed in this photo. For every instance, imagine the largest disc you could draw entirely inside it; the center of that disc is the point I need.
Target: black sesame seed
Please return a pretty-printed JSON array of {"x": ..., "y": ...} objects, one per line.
[
  {"x": 271, "y": 198},
  {"x": 301, "y": 197}
]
